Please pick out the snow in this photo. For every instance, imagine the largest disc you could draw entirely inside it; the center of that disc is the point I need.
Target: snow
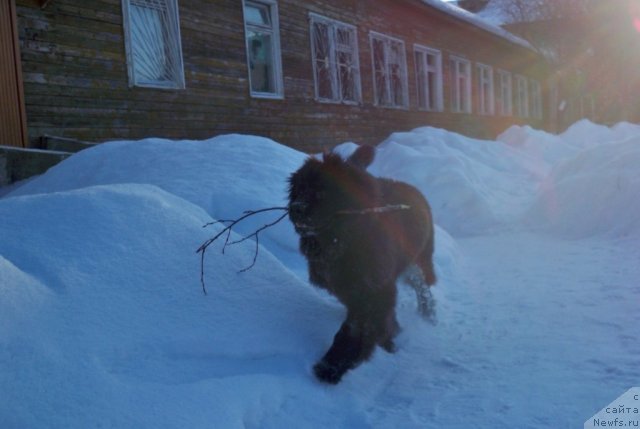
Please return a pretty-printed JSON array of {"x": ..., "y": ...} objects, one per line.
[
  {"x": 103, "y": 322},
  {"x": 494, "y": 13},
  {"x": 489, "y": 24}
]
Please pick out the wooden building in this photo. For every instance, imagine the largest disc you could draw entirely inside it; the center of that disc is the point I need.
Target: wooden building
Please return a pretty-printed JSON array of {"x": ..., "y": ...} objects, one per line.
[{"x": 307, "y": 73}]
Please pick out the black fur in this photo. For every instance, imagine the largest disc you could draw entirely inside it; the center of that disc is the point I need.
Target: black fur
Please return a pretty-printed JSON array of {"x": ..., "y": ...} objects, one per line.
[{"x": 357, "y": 251}]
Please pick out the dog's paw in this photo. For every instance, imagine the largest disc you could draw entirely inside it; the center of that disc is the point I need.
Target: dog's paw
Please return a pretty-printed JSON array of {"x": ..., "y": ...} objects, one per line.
[
  {"x": 389, "y": 346},
  {"x": 327, "y": 373},
  {"x": 427, "y": 306},
  {"x": 428, "y": 313},
  {"x": 429, "y": 317}
]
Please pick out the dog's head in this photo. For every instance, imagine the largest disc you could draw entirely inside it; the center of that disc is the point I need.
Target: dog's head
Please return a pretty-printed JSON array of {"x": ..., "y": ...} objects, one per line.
[{"x": 322, "y": 188}]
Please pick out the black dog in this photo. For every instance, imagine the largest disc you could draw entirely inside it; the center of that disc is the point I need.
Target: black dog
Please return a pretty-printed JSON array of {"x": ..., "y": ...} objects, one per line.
[{"x": 359, "y": 235}]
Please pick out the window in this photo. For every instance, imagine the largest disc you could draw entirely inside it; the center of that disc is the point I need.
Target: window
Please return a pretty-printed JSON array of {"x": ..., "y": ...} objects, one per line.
[
  {"x": 505, "y": 98},
  {"x": 485, "y": 90},
  {"x": 429, "y": 78},
  {"x": 263, "y": 48},
  {"x": 390, "y": 87},
  {"x": 152, "y": 41},
  {"x": 460, "y": 85},
  {"x": 536, "y": 99},
  {"x": 522, "y": 96},
  {"x": 336, "y": 68}
]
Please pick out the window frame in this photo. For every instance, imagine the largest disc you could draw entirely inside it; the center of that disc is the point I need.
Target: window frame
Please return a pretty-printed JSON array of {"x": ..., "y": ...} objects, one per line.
[
  {"x": 389, "y": 102},
  {"x": 337, "y": 85},
  {"x": 506, "y": 92},
  {"x": 276, "y": 55},
  {"x": 486, "y": 90},
  {"x": 422, "y": 75},
  {"x": 522, "y": 96},
  {"x": 466, "y": 98},
  {"x": 173, "y": 46},
  {"x": 536, "y": 99}
]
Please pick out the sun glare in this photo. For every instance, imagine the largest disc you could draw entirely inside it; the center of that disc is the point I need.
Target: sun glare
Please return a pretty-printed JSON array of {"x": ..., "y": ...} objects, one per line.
[{"x": 634, "y": 11}]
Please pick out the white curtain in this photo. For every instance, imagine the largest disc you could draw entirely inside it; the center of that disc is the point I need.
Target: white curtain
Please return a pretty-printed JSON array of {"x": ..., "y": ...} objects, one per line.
[{"x": 149, "y": 44}]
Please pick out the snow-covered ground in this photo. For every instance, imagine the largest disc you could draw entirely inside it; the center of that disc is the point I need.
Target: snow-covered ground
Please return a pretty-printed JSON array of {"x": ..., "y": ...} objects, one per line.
[{"x": 103, "y": 322}]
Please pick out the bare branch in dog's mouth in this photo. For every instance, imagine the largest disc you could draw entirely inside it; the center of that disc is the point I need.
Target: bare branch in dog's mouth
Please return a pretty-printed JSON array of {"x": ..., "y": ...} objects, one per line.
[{"x": 226, "y": 231}]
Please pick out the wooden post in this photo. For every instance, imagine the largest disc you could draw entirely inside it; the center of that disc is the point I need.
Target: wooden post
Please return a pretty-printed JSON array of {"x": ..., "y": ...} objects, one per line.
[{"x": 13, "y": 129}]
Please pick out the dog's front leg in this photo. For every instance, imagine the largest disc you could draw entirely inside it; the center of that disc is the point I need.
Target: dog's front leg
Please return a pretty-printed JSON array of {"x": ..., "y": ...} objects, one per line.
[
  {"x": 353, "y": 344},
  {"x": 341, "y": 357},
  {"x": 349, "y": 349}
]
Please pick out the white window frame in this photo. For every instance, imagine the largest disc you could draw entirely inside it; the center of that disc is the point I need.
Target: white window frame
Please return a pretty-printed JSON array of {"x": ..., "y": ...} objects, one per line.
[
  {"x": 168, "y": 49},
  {"x": 460, "y": 84},
  {"x": 506, "y": 93},
  {"x": 386, "y": 96},
  {"x": 536, "y": 99},
  {"x": 522, "y": 96},
  {"x": 429, "y": 91},
  {"x": 486, "y": 90},
  {"x": 332, "y": 64},
  {"x": 272, "y": 30}
]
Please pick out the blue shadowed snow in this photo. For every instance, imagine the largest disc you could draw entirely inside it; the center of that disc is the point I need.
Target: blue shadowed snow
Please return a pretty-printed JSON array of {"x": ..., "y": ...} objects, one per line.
[{"x": 103, "y": 322}]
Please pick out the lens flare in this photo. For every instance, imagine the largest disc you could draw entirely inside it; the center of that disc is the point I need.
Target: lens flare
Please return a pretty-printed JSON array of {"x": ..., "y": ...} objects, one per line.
[{"x": 634, "y": 12}]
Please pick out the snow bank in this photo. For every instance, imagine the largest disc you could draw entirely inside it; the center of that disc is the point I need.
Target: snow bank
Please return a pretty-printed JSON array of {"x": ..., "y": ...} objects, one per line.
[
  {"x": 588, "y": 179},
  {"x": 581, "y": 183},
  {"x": 103, "y": 322},
  {"x": 226, "y": 176},
  {"x": 594, "y": 193},
  {"x": 542, "y": 148},
  {"x": 474, "y": 186}
]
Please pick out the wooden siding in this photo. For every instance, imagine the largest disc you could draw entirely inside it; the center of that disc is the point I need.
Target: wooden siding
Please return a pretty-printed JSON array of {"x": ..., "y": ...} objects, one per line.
[
  {"x": 12, "y": 111},
  {"x": 76, "y": 83}
]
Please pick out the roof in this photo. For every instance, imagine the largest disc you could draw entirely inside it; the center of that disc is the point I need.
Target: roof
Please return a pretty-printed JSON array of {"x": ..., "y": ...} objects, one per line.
[{"x": 477, "y": 21}]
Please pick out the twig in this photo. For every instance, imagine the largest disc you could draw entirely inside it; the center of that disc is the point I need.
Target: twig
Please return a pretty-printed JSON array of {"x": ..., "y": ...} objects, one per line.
[{"x": 230, "y": 223}]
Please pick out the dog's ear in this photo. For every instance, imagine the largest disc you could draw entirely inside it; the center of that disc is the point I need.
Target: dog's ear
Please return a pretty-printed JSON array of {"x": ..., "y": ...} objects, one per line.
[{"x": 363, "y": 156}]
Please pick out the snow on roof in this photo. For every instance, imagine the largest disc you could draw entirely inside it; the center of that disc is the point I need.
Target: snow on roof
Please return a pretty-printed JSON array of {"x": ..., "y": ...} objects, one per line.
[
  {"x": 494, "y": 14},
  {"x": 477, "y": 21}
]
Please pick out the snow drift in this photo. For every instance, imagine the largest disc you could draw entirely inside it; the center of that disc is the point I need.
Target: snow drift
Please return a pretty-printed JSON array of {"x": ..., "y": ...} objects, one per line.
[
  {"x": 102, "y": 310},
  {"x": 224, "y": 176},
  {"x": 594, "y": 192}
]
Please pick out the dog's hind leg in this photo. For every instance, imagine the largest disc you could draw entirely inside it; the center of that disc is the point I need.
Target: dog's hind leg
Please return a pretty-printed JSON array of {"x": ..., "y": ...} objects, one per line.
[
  {"x": 424, "y": 261},
  {"x": 414, "y": 277}
]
